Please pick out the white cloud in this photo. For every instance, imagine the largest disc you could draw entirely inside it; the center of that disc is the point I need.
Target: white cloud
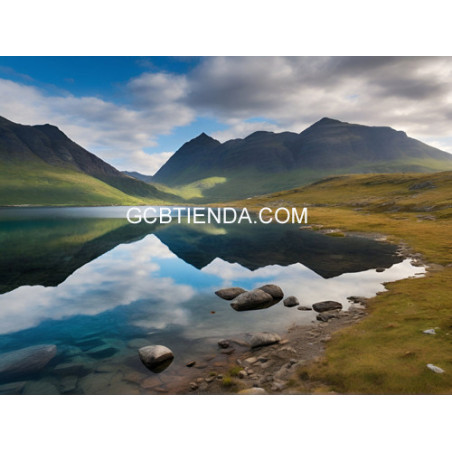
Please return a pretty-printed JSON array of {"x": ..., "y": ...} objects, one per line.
[
  {"x": 144, "y": 163},
  {"x": 117, "y": 134},
  {"x": 126, "y": 274},
  {"x": 411, "y": 94}
]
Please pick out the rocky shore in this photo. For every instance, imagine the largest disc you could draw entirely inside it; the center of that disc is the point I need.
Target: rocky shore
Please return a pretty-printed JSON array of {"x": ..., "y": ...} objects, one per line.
[{"x": 273, "y": 368}]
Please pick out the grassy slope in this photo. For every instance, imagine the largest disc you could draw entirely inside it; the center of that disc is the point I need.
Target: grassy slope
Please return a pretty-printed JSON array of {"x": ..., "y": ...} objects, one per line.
[
  {"x": 242, "y": 183},
  {"x": 194, "y": 191},
  {"x": 387, "y": 352},
  {"x": 41, "y": 184}
]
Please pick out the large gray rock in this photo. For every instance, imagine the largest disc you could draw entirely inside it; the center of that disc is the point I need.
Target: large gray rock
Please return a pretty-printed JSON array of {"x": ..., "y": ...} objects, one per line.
[
  {"x": 229, "y": 293},
  {"x": 254, "y": 299},
  {"x": 26, "y": 361},
  {"x": 326, "y": 306},
  {"x": 156, "y": 357},
  {"x": 261, "y": 339},
  {"x": 273, "y": 290},
  {"x": 291, "y": 302}
]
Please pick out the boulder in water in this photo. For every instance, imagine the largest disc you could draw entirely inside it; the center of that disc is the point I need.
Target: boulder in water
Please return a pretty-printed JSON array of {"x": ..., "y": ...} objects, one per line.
[
  {"x": 290, "y": 302},
  {"x": 230, "y": 293},
  {"x": 274, "y": 290},
  {"x": 26, "y": 361},
  {"x": 254, "y": 299},
  {"x": 156, "y": 357},
  {"x": 323, "y": 306}
]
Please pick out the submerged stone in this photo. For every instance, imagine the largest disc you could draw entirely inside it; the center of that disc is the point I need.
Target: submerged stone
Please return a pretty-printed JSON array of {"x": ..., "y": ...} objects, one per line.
[
  {"x": 324, "y": 317},
  {"x": 26, "y": 361},
  {"x": 41, "y": 387},
  {"x": 104, "y": 351}
]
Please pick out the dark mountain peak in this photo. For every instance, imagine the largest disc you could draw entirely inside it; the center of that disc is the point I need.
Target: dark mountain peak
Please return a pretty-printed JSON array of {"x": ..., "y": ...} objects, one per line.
[
  {"x": 203, "y": 140},
  {"x": 327, "y": 122},
  {"x": 258, "y": 135},
  {"x": 51, "y": 131}
]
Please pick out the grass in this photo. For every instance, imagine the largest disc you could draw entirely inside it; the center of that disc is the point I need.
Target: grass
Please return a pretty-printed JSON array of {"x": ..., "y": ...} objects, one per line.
[
  {"x": 37, "y": 183},
  {"x": 228, "y": 382},
  {"x": 246, "y": 182},
  {"x": 387, "y": 353},
  {"x": 234, "y": 371},
  {"x": 193, "y": 191}
]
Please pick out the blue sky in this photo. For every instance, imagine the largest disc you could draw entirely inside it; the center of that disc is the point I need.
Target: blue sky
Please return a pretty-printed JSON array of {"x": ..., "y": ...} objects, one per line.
[{"x": 134, "y": 112}]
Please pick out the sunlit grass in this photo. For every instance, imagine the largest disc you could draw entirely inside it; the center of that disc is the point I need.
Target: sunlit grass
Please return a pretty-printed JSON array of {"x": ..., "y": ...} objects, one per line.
[{"x": 387, "y": 352}]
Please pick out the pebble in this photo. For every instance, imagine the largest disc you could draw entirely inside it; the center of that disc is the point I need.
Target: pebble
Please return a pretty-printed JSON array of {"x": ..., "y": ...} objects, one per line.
[
  {"x": 304, "y": 308},
  {"x": 250, "y": 361},
  {"x": 193, "y": 386},
  {"x": 191, "y": 364},
  {"x": 435, "y": 369},
  {"x": 253, "y": 391},
  {"x": 430, "y": 331},
  {"x": 242, "y": 374},
  {"x": 223, "y": 343}
]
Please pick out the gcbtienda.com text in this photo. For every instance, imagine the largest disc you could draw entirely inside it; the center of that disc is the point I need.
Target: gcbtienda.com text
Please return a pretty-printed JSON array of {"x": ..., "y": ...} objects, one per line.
[{"x": 221, "y": 215}]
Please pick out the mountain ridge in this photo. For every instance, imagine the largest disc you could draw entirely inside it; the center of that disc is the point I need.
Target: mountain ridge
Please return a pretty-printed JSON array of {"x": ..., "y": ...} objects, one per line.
[
  {"x": 328, "y": 146},
  {"x": 45, "y": 148}
]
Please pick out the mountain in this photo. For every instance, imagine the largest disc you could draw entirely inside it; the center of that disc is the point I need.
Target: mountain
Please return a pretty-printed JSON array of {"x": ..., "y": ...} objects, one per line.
[
  {"x": 41, "y": 165},
  {"x": 265, "y": 162},
  {"x": 139, "y": 176}
]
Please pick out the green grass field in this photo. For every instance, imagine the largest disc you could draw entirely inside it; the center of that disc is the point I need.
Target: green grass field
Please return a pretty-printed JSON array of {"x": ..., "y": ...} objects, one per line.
[
  {"x": 41, "y": 184},
  {"x": 387, "y": 352}
]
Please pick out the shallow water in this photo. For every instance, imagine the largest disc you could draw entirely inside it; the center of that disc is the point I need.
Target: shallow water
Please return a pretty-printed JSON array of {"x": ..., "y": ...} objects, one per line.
[{"x": 99, "y": 288}]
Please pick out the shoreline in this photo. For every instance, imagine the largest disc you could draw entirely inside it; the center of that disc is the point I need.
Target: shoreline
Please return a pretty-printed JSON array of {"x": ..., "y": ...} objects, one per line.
[{"x": 279, "y": 368}]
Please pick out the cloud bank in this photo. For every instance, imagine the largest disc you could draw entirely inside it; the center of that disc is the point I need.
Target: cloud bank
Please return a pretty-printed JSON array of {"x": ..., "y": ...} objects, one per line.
[{"x": 246, "y": 94}]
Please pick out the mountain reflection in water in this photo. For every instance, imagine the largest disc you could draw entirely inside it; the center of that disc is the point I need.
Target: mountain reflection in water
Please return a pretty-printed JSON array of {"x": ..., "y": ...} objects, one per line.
[{"x": 99, "y": 288}]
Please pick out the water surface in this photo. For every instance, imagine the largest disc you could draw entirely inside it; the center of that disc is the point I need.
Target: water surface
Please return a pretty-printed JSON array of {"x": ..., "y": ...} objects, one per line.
[{"x": 99, "y": 288}]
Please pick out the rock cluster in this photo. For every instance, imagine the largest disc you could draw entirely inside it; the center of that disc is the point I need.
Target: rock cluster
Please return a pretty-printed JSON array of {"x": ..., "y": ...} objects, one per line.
[{"x": 260, "y": 298}]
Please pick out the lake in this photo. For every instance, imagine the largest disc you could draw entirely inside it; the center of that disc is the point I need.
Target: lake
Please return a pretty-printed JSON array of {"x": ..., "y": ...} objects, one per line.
[{"x": 97, "y": 288}]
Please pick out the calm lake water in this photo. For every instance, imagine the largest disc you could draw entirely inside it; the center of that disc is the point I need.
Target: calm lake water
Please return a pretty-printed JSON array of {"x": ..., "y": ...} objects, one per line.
[{"x": 98, "y": 288}]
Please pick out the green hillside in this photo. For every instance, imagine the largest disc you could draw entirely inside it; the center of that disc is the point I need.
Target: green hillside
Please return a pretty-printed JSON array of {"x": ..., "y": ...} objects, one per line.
[{"x": 41, "y": 184}]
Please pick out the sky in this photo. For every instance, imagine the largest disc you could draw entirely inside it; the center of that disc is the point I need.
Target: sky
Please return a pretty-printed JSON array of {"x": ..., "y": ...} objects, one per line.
[{"x": 135, "y": 112}]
